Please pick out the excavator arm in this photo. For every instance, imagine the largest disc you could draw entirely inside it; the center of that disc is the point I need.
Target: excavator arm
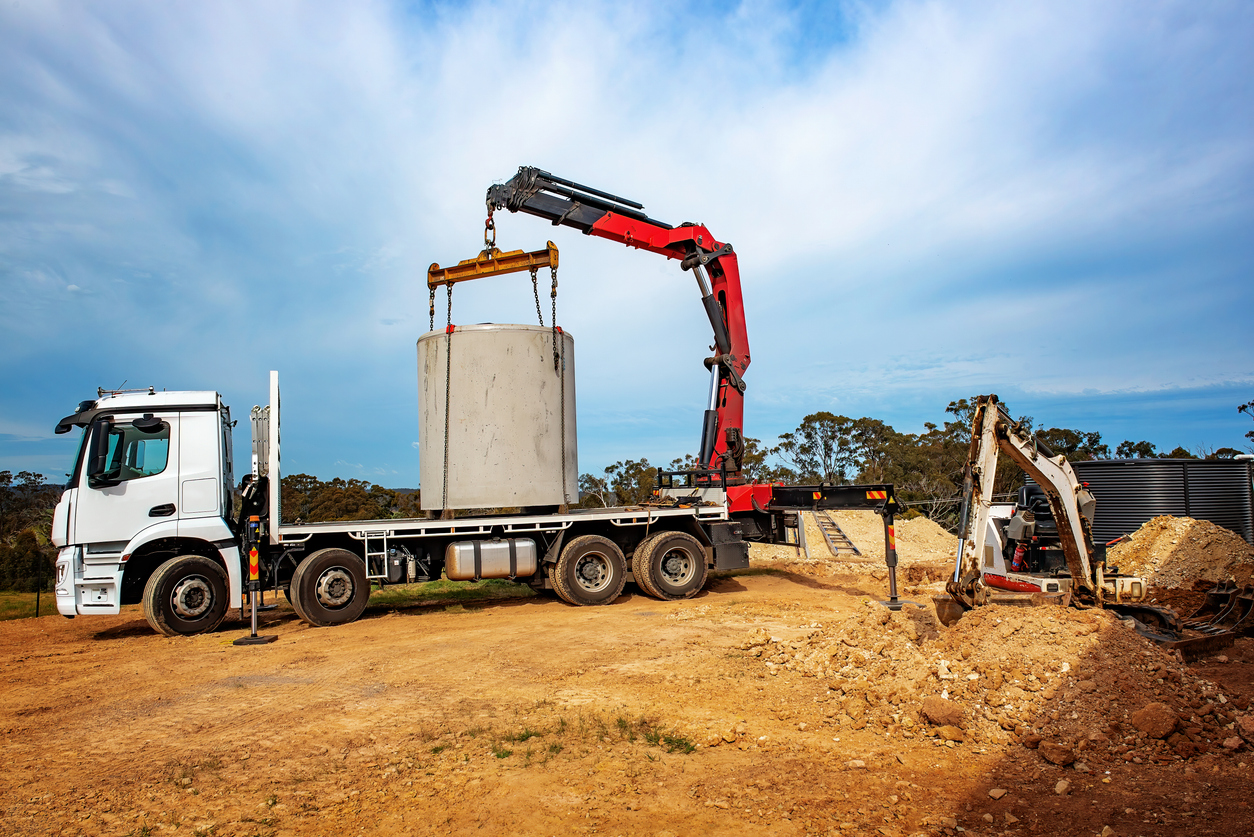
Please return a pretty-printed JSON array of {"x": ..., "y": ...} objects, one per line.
[
  {"x": 993, "y": 431},
  {"x": 713, "y": 263}
]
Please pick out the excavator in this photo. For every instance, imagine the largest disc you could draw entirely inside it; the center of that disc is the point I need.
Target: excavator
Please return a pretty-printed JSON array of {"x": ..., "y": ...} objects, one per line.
[{"x": 1009, "y": 553}]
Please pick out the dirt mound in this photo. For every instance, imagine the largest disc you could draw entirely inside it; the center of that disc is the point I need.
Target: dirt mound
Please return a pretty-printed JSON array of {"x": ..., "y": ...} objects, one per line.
[
  {"x": 919, "y": 541},
  {"x": 925, "y": 551},
  {"x": 1073, "y": 679},
  {"x": 1178, "y": 551}
]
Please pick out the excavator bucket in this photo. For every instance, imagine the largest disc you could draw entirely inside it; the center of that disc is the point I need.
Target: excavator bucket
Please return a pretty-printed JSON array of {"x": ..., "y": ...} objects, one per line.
[
  {"x": 1218, "y": 599},
  {"x": 948, "y": 609},
  {"x": 1227, "y": 608},
  {"x": 1163, "y": 627}
]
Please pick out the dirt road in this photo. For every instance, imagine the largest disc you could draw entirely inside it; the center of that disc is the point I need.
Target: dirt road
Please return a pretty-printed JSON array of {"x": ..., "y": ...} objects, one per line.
[{"x": 534, "y": 717}]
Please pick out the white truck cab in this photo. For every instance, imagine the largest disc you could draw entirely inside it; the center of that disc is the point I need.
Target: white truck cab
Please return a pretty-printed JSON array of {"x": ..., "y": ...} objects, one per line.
[{"x": 149, "y": 499}]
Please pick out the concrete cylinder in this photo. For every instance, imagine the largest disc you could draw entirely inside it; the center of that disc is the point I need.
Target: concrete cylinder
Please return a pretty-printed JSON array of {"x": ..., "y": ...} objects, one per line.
[{"x": 508, "y": 410}]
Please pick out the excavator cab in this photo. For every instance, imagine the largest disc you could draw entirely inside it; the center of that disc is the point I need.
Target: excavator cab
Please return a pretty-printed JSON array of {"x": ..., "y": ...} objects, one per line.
[{"x": 1032, "y": 526}]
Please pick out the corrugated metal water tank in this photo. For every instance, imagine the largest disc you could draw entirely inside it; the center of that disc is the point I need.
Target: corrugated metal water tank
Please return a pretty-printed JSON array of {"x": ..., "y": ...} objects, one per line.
[
  {"x": 506, "y": 420},
  {"x": 1131, "y": 491}
]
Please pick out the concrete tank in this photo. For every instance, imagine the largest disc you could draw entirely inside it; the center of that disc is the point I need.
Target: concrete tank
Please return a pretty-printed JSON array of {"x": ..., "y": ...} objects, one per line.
[{"x": 505, "y": 423}]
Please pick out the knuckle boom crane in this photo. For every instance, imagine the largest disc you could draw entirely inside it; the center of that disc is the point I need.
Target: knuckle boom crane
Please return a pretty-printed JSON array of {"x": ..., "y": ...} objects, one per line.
[
  {"x": 712, "y": 262},
  {"x": 764, "y": 511}
]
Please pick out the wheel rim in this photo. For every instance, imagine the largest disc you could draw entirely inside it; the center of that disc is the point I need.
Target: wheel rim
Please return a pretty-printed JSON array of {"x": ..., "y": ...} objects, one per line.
[
  {"x": 334, "y": 588},
  {"x": 192, "y": 597},
  {"x": 593, "y": 572},
  {"x": 678, "y": 567}
]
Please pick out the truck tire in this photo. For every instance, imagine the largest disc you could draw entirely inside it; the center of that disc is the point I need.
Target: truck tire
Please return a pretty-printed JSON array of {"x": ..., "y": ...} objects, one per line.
[
  {"x": 670, "y": 566},
  {"x": 329, "y": 588},
  {"x": 640, "y": 564},
  {"x": 186, "y": 595},
  {"x": 590, "y": 571}
]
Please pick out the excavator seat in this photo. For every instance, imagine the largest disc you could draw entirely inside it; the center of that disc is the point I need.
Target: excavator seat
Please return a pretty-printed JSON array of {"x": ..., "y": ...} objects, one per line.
[{"x": 1033, "y": 499}]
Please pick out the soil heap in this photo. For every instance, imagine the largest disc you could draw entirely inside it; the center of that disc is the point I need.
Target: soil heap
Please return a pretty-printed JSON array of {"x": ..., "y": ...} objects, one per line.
[
  {"x": 1176, "y": 552},
  {"x": 920, "y": 541},
  {"x": 1076, "y": 683}
]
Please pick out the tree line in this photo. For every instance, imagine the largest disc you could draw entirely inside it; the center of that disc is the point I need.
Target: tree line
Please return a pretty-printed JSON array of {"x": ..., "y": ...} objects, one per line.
[
  {"x": 925, "y": 468},
  {"x": 26, "y": 554}
]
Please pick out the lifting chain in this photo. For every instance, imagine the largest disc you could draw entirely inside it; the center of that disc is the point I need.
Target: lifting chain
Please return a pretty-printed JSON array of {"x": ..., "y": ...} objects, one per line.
[
  {"x": 489, "y": 233},
  {"x": 553, "y": 296},
  {"x": 559, "y": 366},
  {"x": 448, "y": 385},
  {"x": 535, "y": 289},
  {"x": 561, "y": 382},
  {"x": 431, "y": 327}
]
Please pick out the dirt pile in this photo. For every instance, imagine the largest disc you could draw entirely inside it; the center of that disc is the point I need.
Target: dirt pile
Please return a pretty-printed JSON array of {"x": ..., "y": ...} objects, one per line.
[
  {"x": 1071, "y": 679},
  {"x": 1175, "y": 552},
  {"x": 920, "y": 542}
]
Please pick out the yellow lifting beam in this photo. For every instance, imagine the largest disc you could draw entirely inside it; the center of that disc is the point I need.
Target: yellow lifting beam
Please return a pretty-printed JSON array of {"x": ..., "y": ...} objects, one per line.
[{"x": 492, "y": 262}]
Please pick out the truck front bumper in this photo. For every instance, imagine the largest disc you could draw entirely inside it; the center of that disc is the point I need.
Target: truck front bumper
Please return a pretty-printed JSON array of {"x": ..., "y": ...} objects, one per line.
[{"x": 92, "y": 587}]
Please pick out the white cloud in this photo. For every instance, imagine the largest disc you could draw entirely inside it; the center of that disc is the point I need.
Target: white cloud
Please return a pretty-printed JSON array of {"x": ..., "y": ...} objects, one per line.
[{"x": 926, "y": 197}]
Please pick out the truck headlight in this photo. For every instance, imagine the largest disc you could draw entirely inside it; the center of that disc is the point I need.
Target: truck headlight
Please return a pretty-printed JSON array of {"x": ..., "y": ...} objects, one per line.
[{"x": 63, "y": 569}]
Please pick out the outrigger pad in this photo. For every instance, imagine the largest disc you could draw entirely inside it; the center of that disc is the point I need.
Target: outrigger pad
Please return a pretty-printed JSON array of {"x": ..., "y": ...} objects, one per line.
[{"x": 254, "y": 640}]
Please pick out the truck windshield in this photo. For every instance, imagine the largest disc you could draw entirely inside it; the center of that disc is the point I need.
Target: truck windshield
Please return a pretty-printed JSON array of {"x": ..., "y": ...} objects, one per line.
[{"x": 72, "y": 476}]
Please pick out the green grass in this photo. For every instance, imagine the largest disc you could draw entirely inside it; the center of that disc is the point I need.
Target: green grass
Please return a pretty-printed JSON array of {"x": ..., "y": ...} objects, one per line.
[
  {"x": 443, "y": 591},
  {"x": 22, "y": 605},
  {"x": 520, "y": 737}
]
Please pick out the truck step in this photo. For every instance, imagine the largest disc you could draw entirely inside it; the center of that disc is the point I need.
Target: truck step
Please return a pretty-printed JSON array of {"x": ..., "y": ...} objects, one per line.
[{"x": 838, "y": 542}]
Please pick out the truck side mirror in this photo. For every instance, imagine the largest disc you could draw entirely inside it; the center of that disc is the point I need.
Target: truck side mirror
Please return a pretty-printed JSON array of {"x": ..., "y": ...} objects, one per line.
[{"x": 98, "y": 453}]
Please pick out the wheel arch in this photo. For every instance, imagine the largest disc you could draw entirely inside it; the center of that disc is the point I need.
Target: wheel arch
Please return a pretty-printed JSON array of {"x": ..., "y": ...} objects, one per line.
[{"x": 149, "y": 555}]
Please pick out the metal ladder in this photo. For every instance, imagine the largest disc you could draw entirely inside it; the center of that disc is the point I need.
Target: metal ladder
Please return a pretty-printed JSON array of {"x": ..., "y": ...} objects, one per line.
[
  {"x": 376, "y": 559},
  {"x": 836, "y": 539}
]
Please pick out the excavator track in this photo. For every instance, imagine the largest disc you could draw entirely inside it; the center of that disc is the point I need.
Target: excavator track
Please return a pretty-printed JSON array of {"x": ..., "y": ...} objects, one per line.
[{"x": 838, "y": 542}]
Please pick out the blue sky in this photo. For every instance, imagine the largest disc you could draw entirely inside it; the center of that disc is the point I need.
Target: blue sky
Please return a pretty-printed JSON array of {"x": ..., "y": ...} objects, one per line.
[{"x": 1048, "y": 200}]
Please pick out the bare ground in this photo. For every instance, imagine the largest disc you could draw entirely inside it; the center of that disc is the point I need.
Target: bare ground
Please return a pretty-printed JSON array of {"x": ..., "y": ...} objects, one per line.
[{"x": 533, "y": 717}]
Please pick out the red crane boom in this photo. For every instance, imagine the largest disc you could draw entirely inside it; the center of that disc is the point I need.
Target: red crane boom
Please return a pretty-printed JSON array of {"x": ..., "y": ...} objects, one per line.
[{"x": 594, "y": 212}]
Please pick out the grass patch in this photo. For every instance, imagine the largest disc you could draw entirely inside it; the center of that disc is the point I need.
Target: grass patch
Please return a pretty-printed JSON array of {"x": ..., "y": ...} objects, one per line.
[
  {"x": 443, "y": 591},
  {"x": 22, "y": 605},
  {"x": 678, "y": 744},
  {"x": 575, "y": 735},
  {"x": 519, "y": 737}
]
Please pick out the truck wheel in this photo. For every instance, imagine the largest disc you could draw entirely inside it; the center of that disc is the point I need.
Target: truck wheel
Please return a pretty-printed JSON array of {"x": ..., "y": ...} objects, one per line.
[
  {"x": 670, "y": 565},
  {"x": 640, "y": 563},
  {"x": 329, "y": 588},
  {"x": 186, "y": 595},
  {"x": 590, "y": 571}
]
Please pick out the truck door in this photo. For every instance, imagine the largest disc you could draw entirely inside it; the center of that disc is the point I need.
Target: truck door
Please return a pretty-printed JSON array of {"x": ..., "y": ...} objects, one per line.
[
  {"x": 200, "y": 468},
  {"x": 130, "y": 478}
]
